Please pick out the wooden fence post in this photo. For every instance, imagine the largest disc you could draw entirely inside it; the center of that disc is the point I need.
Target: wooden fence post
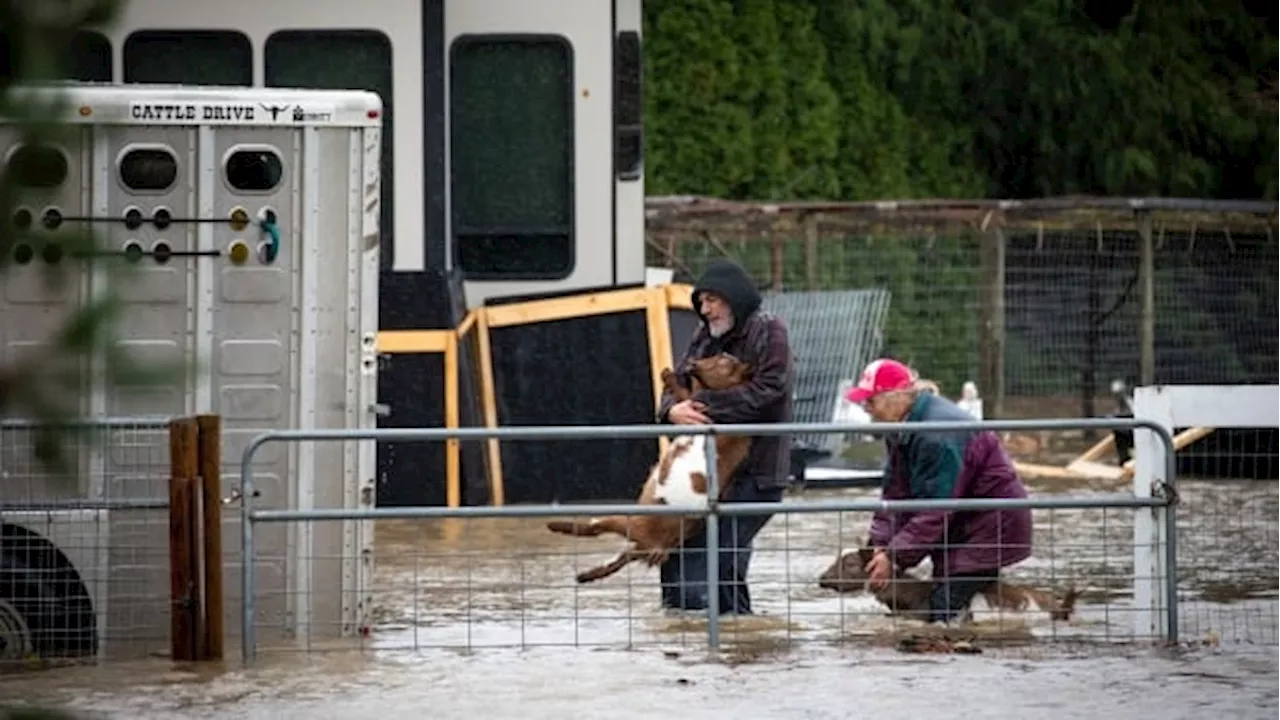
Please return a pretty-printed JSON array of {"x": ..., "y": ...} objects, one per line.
[
  {"x": 991, "y": 326},
  {"x": 210, "y": 463},
  {"x": 185, "y": 616}
]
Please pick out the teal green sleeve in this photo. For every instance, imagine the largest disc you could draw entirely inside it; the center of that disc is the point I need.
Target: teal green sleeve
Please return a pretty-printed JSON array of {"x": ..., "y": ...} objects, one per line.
[{"x": 935, "y": 467}]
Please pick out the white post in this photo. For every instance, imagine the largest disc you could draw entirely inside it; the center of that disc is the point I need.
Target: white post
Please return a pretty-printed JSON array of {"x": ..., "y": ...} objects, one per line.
[{"x": 1149, "y": 571}]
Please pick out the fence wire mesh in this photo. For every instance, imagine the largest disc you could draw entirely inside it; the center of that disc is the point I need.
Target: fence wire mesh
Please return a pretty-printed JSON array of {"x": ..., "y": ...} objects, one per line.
[
  {"x": 833, "y": 334},
  {"x": 1068, "y": 286},
  {"x": 86, "y": 564},
  {"x": 470, "y": 583},
  {"x": 490, "y": 583},
  {"x": 1230, "y": 525}
]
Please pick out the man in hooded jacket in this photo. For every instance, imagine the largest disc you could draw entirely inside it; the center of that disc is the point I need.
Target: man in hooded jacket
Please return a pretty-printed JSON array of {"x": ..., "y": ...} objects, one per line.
[{"x": 728, "y": 303}]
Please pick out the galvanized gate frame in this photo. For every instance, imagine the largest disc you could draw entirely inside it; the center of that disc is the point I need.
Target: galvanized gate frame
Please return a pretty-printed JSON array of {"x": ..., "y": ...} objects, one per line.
[{"x": 1159, "y": 502}]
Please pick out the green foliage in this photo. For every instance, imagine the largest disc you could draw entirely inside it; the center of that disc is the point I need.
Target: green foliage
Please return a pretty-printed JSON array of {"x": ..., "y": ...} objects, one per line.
[
  {"x": 698, "y": 130},
  {"x": 48, "y": 386},
  {"x": 876, "y": 99},
  {"x": 812, "y": 125},
  {"x": 762, "y": 92}
]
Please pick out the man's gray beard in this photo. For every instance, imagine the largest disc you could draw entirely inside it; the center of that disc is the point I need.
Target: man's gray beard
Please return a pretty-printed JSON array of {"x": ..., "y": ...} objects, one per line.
[{"x": 718, "y": 328}]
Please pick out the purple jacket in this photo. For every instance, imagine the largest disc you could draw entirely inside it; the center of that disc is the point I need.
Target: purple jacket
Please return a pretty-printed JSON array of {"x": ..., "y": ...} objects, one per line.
[{"x": 951, "y": 465}]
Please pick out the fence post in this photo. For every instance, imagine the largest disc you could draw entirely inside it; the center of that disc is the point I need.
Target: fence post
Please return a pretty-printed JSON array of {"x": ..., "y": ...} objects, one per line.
[
  {"x": 811, "y": 281},
  {"x": 210, "y": 461},
  {"x": 184, "y": 585},
  {"x": 1147, "y": 300},
  {"x": 777, "y": 273},
  {"x": 991, "y": 328},
  {"x": 1151, "y": 617}
]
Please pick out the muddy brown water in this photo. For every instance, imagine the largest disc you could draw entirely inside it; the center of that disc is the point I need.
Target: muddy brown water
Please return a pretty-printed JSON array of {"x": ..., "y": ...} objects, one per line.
[{"x": 483, "y": 617}]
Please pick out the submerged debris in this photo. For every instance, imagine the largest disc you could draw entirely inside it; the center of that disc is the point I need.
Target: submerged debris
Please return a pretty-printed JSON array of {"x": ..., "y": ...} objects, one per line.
[{"x": 937, "y": 644}]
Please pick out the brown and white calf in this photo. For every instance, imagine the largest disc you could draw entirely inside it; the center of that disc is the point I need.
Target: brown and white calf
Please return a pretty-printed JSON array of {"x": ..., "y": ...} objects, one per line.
[
  {"x": 679, "y": 478},
  {"x": 909, "y": 595}
]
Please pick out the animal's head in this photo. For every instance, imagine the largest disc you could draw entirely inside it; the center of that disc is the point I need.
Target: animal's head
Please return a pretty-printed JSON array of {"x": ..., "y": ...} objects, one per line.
[
  {"x": 847, "y": 573},
  {"x": 719, "y": 372}
]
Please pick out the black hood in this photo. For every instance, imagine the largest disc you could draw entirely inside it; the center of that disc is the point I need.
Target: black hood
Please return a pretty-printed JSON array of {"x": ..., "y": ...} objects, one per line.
[{"x": 728, "y": 280}]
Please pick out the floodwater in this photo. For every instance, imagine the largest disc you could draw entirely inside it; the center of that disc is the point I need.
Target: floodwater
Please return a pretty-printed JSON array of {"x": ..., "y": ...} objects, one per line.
[{"x": 483, "y": 616}]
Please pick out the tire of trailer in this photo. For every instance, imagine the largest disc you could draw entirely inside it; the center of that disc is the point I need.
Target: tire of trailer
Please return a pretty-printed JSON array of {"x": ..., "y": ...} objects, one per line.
[{"x": 45, "y": 608}]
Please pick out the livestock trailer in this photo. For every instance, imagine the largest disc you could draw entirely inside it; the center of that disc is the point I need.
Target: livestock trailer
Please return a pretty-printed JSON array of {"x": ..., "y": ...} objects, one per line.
[{"x": 240, "y": 229}]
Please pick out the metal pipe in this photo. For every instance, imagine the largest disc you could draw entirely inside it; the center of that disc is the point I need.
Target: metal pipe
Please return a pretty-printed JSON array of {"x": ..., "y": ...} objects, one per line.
[
  {"x": 248, "y": 580},
  {"x": 64, "y": 505},
  {"x": 1083, "y": 502},
  {"x": 712, "y": 536},
  {"x": 1110, "y": 500},
  {"x": 586, "y": 432},
  {"x": 147, "y": 422},
  {"x": 1171, "y": 566}
]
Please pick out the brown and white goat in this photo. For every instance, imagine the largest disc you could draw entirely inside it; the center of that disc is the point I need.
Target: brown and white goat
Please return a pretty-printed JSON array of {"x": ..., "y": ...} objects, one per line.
[
  {"x": 909, "y": 595},
  {"x": 679, "y": 478}
]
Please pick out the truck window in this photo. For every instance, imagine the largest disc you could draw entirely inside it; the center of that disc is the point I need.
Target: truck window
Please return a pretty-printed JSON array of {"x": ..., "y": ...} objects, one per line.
[
  {"x": 89, "y": 58},
  {"x": 511, "y": 133},
  {"x": 628, "y": 111},
  {"x": 190, "y": 57},
  {"x": 342, "y": 60}
]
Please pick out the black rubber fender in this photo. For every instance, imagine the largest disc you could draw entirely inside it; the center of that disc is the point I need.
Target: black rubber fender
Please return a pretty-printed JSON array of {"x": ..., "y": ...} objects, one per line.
[{"x": 41, "y": 586}]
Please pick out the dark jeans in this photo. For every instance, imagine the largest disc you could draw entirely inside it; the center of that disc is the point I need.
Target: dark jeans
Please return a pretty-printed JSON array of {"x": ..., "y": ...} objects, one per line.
[
  {"x": 951, "y": 597},
  {"x": 684, "y": 574}
]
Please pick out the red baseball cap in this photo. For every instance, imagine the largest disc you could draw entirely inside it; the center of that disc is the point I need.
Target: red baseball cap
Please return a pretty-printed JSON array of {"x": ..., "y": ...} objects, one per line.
[{"x": 881, "y": 376}]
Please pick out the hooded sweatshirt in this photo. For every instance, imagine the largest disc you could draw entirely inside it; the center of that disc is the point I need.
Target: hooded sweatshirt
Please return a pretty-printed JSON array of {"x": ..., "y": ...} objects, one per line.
[{"x": 760, "y": 339}]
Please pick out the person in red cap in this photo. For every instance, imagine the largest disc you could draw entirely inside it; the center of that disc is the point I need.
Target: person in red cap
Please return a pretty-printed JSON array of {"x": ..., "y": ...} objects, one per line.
[{"x": 967, "y": 549}]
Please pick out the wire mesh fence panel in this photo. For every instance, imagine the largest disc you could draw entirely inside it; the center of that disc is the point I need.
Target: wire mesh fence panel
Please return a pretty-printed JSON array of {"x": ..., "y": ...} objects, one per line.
[
  {"x": 833, "y": 334},
  {"x": 1073, "y": 313},
  {"x": 490, "y": 583},
  {"x": 85, "y": 549},
  {"x": 1044, "y": 301},
  {"x": 470, "y": 583},
  {"x": 1228, "y": 537}
]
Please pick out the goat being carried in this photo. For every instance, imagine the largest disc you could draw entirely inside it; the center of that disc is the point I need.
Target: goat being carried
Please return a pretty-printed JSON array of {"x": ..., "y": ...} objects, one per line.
[{"x": 679, "y": 478}]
